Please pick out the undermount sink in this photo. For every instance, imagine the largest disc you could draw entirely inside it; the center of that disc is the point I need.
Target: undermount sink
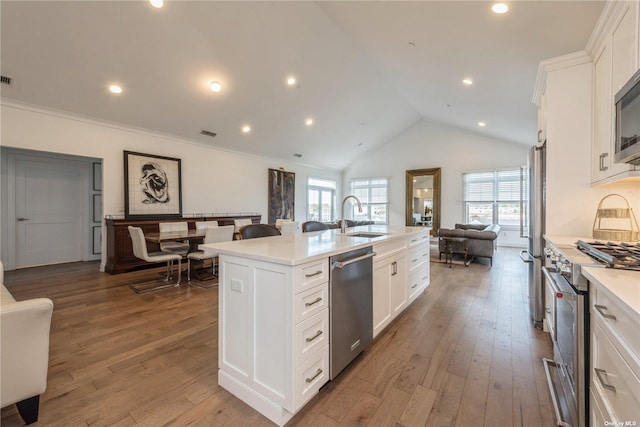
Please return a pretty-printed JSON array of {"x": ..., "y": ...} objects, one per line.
[{"x": 368, "y": 235}]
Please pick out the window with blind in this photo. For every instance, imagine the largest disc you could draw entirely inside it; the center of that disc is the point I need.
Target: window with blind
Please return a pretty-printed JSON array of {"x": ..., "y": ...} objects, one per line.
[
  {"x": 495, "y": 197},
  {"x": 373, "y": 196}
]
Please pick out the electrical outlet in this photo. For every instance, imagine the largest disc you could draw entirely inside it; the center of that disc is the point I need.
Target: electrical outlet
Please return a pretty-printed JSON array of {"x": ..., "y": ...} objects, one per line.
[{"x": 237, "y": 285}]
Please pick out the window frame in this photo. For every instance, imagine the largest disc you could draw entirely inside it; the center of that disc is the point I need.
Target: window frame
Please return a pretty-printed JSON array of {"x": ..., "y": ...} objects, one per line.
[{"x": 320, "y": 189}]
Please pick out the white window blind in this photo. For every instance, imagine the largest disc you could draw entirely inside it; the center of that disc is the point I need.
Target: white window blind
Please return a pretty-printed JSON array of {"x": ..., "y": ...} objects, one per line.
[
  {"x": 498, "y": 196},
  {"x": 373, "y": 195}
]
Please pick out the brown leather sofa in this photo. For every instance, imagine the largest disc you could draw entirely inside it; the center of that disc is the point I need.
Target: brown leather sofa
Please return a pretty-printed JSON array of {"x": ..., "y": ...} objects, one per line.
[{"x": 481, "y": 239}]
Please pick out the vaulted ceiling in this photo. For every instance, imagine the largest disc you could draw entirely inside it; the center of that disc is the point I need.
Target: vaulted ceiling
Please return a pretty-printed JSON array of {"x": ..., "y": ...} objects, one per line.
[{"x": 365, "y": 71}]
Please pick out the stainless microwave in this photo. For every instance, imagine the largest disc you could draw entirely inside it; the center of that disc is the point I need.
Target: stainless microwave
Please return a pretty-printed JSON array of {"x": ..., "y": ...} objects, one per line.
[{"x": 627, "y": 131}]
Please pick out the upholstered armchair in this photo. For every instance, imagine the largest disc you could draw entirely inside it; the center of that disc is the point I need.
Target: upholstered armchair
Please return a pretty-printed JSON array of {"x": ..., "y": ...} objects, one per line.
[{"x": 24, "y": 351}]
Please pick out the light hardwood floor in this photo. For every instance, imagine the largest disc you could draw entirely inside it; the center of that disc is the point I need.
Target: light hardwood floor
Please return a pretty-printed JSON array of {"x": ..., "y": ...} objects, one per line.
[{"x": 464, "y": 354}]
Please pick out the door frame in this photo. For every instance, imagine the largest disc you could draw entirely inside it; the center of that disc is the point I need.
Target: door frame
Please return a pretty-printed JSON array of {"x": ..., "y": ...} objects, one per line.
[{"x": 9, "y": 156}]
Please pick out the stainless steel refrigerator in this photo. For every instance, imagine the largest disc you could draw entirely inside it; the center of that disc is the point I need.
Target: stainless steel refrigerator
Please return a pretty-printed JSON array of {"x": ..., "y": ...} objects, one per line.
[{"x": 534, "y": 256}]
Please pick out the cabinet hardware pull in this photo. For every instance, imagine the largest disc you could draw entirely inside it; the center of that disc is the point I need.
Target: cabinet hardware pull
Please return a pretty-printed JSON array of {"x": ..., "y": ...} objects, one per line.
[
  {"x": 414, "y": 260},
  {"x": 313, "y": 274},
  {"x": 314, "y": 337},
  {"x": 318, "y": 372},
  {"x": 22, "y": 219},
  {"x": 394, "y": 264},
  {"x": 414, "y": 286},
  {"x": 424, "y": 255},
  {"x": 317, "y": 300},
  {"x": 602, "y": 165},
  {"x": 599, "y": 373},
  {"x": 342, "y": 264},
  {"x": 425, "y": 278},
  {"x": 601, "y": 309}
]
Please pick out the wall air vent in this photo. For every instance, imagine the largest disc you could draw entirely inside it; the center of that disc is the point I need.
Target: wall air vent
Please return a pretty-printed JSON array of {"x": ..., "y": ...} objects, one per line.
[
  {"x": 5, "y": 80},
  {"x": 208, "y": 133}
]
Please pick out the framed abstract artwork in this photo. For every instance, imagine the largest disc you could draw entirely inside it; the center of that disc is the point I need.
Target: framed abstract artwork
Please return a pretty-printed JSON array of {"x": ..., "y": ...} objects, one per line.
[
  {"x": 152, "y": 186},
  {"x": 282, "y": 188}
]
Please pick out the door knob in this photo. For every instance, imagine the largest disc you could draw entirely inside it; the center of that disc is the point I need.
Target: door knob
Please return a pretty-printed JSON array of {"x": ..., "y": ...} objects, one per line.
[{"x": 23, "y": 219}]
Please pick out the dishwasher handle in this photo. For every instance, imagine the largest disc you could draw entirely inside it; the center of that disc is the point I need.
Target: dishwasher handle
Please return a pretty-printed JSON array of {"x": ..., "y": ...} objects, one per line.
[{"x": 342, "y": 264}]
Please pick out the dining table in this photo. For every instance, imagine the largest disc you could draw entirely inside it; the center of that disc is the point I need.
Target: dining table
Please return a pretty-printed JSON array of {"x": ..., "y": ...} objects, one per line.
[{"x": 193, "y": 235}]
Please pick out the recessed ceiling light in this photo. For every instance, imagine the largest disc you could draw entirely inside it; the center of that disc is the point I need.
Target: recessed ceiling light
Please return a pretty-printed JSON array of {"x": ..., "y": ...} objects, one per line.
[
  {"x": 291, "y": 81},
  {"x": 308, "y": 122},
  {"x": 246, "y": 128},
  {"x": 215, "y": 86},
  {"x": 482, "y": 124},
  {"x": 115, "y": 89},
  {"x": 500, "y": 8},
  {"x": 156, "y": 3},
  {"x": 467, "y": 81}
]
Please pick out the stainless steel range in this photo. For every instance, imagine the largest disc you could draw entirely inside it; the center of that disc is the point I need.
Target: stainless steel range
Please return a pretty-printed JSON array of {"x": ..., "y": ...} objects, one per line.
[
  {"x": 613, "y": 255},
  {"x": 568, "y": 372}
]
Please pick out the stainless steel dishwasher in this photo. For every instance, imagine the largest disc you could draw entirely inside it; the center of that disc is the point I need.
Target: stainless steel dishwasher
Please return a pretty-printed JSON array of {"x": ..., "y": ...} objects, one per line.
[{"x": 351, "y": 312}]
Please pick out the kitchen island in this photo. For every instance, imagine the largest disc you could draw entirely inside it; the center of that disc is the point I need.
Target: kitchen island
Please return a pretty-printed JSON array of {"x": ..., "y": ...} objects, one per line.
[{"x": 274, "y": 307}]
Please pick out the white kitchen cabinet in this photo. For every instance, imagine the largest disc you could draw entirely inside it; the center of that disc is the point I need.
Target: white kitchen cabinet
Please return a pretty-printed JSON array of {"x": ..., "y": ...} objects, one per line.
[
  {"x": 389, "y": 289},
  {"x": 389, "y": 283},
  {"x": 615, "y": 359},
  {"x": 398, "y": 278},
  {"x": 615, "y": 59},
  {"x": 417, "y": 265},
  {"x": 274, "y": 333}
]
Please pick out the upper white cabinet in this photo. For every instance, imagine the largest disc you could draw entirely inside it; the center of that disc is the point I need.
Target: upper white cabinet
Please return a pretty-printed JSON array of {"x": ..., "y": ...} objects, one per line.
[{"x": 614, "y": 49}]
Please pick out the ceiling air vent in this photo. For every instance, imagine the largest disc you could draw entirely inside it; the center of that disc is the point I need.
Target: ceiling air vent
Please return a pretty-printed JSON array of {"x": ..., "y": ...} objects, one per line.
[
  {"x": 208, "y": 133},
  {"x": 5, "y": 80}
]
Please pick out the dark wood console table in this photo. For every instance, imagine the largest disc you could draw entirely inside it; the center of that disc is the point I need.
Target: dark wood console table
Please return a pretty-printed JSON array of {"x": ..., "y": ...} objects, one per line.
[{"x": 120, "y": 258}]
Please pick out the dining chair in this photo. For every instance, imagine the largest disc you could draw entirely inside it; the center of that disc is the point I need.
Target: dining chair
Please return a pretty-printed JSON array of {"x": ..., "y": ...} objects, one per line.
[
  {"x": 213, "y": 235},
  {"x": 253, "y": 231},
  {"x": 290, "y": 227},
  {"x": 180, "y": 248},
  {"x": 140, "y": 251},
  {"x": 203, "y": 225},
  {"x": 239, "y": 223},
  {"x": 314, "y": 226}
]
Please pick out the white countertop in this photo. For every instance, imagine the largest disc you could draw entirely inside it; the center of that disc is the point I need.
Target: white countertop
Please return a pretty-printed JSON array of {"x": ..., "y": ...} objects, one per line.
[
  {"x": 566, "y": 241},
  {"x": 304, "y": 247},
  {"x": 622, "y": 284}
]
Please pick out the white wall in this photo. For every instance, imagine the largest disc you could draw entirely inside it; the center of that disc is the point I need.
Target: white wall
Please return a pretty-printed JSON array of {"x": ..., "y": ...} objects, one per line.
[
  {"x": 571, "y": 201},
  {"x": 213, "y": 180},
  {"x": 429, "y": 145}
]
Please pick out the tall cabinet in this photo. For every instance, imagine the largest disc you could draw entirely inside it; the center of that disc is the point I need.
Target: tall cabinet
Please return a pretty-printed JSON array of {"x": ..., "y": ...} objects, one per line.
[
  {"x": 563, "y": 95},
  {"x": 614, "y": 49}
]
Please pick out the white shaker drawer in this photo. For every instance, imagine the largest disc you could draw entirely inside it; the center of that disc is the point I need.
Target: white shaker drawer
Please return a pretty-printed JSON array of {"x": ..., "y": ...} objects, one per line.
[
  {"x": 310, "y": 376},
  {"x": 311, "y": 274},
  {"x": 310, "y": 302},
  {"x": 384, "y": 248},
  {"x": 311, "y": 335},
  {"x": 420, "y": 238},
  {"x": 612, "y": 378},
  {"x": 419, "y": 277},
  {"x": 417, "y": 256},
  {"x": 619, "y": 326}
]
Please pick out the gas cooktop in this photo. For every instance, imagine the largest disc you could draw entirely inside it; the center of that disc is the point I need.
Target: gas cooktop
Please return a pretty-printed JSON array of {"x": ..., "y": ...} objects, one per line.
[{"x": 613, "y": 255}]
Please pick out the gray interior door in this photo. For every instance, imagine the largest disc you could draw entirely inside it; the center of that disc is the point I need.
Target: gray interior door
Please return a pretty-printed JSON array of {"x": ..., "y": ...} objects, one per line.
[{"x": 48, "y": 211}]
